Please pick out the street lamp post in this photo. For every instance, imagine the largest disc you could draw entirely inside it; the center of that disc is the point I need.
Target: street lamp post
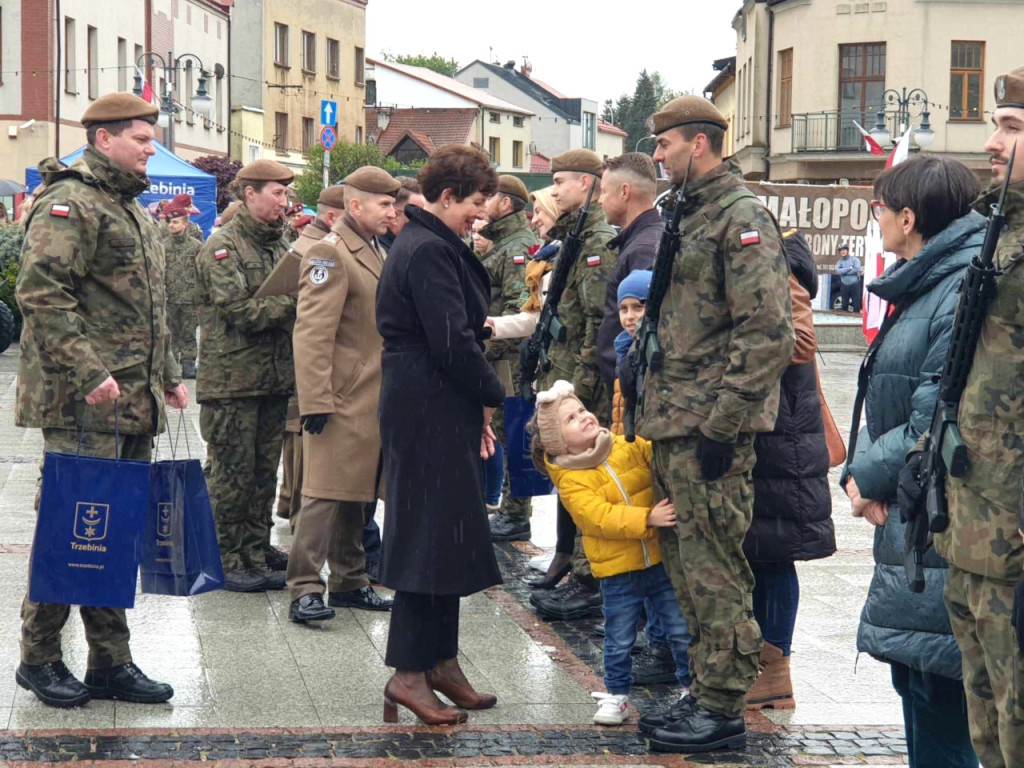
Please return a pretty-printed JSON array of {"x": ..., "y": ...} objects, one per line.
[
  {"x": 900, "y": 103},
  {"x": 636, "y": 148},
  {"x": 201, "y": 101}
]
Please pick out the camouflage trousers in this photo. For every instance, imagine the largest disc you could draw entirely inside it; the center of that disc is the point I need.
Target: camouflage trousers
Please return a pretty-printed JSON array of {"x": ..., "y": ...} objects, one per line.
[
  {"x": 516, "y": 508},
  {"x": 980, "y": 613},
  {"x": 243, "y": 437},
  {"x": 182, "y": 321},
  {"x": 704, "y": 558},
  {"x": 106, "y": 629}
]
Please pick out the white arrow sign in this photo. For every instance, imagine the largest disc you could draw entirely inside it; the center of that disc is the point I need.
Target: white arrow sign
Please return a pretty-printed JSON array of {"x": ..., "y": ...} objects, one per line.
[{"x": 327, "y": 113}]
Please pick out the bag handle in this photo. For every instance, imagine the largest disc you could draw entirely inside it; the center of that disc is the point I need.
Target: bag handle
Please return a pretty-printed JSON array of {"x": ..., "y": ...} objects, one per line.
[
  {"x": 181, "y": 430},
  {"x": 117, "y": 430}
]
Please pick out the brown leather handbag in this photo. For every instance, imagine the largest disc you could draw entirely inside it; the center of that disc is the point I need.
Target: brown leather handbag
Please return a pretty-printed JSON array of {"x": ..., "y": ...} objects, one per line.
[{"x": 836, "y": 446}]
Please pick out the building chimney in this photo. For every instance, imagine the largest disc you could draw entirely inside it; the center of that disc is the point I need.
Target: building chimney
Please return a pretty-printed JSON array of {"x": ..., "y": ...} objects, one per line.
[{"x": 510, "y": 65}]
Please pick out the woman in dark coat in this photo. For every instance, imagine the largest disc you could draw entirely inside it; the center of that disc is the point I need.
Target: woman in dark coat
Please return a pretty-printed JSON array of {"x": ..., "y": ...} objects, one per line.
[
  {"x": 437, "y": 395},
  {"x": 792, "y": 503},
  {"x": 924, "y": 213}
]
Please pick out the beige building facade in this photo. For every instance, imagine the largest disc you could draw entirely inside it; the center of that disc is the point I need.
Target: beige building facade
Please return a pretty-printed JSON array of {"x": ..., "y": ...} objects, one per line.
[{"x": 805, "y": 70}]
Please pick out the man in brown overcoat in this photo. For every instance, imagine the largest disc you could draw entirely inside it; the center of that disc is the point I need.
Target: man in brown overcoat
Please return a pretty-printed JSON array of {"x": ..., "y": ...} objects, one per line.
[{"x": 338, "y": 378}]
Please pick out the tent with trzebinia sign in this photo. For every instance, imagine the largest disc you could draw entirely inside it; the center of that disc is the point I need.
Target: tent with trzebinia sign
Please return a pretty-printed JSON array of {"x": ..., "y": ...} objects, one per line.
[{"x": 169, "y": 175}]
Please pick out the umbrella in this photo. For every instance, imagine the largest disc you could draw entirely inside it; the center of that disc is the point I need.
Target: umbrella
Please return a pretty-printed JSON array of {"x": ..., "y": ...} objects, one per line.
[{"x": 8, "y": 188}]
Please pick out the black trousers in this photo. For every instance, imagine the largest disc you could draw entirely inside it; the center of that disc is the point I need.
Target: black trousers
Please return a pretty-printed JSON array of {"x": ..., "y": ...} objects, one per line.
[
  {"x": 566, "y": 531},
  {"x": 850, "y": 296},
  {"x": 424, "y": 630}
]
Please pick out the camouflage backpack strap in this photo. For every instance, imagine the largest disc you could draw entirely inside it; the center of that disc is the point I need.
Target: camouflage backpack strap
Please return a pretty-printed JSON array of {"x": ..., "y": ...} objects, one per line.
[{"x": 716, "y": 208}]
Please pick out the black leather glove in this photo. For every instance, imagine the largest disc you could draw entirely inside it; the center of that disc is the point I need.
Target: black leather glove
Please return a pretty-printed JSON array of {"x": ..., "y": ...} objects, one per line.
[
  {"x": 715, "y": 457},
  {"x": 624, "y": 370},
  {"x": 314, "y": 423},
  {"x": 1018, "y": 613},
  {"x": 910, "y": 487}
]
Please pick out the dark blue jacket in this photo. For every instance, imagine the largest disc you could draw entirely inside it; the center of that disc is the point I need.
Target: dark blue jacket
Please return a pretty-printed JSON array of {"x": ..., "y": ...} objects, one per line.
[{"x": 896, "y": 624}]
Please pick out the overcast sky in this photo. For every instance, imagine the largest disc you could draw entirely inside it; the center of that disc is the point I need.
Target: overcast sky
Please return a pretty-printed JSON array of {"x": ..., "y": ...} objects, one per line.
[{"x": 573, "y": 47}]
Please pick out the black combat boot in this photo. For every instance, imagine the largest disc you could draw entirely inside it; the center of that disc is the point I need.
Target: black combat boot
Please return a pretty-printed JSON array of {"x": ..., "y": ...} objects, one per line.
[
  {"x": 53, "y": 684},
  {"x": 578, "y": 598},
  {"x": 654, "y": 664},
  {"x": 649, "y": 723},
  {"x": 272, "y": 580},
  {"x": 244, "y": 580},
  {"x": 505, "y": 528},
  {"x": 700, "y": 730},
  {"x": 126, "y": 683},
  {"x": 276, "y": 558}
]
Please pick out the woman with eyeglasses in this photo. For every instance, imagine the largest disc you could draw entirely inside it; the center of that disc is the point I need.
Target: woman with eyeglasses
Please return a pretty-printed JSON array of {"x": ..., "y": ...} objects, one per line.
[{"x": 923, "y": 209}]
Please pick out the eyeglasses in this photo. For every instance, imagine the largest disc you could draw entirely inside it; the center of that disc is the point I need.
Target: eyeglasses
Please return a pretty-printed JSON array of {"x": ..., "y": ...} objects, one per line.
[{"x": 877, "y": 206}]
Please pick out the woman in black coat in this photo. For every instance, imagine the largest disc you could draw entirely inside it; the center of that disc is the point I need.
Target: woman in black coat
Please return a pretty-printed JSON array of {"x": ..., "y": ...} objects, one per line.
[{"x": 437, "y": 395}]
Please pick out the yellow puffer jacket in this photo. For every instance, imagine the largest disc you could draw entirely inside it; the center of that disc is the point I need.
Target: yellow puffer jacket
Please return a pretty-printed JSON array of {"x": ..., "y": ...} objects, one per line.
[{"x": 610, "y": 504}]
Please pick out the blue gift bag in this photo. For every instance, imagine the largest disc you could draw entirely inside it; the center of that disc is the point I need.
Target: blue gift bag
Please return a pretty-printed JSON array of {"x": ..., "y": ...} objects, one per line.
[
  {"x": 523, "y": 478},
  {"x": 180, "y": 555},
  {"x": 86, "y": 546}
]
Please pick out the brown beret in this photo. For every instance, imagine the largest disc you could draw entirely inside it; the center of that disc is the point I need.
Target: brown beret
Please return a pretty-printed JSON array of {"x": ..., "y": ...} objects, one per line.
[
  {"x": 229, "y": 213},
  {"x": 333, "y": 196},
  {"x": 119, "y": 106},
  {"x": 513, "y": 187},
  {"x": 1010, "y": 89},
  {"x": 374, "y": 180},
  {"x": 578, "y": 161},
  {"x": 686, "y": 110},
  {"x": 266, "y": 170}
]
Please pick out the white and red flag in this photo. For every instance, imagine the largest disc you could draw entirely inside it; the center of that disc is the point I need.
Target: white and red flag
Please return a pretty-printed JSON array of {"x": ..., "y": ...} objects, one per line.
[
  {"x": 147, "y": 89},
  {"x": 872, "y": 146}
]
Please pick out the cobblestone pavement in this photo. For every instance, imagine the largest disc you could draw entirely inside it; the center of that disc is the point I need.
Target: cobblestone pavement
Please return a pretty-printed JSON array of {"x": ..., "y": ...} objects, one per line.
[{"x": 254, "y": 689}]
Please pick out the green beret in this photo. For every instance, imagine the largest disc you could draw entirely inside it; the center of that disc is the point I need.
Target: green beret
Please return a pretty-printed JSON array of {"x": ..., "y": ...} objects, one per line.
[
  {"x": 578, "y": 161},
  {"x": 119, "y": 106},
  {"x": 374, "y": 180},
  {"x": 687, "y": 110},
  {"x": 1010, "y": 89},
  {"x": 513, "y": 187},
  {"x": 266, "y": 170},
  {"x": 333, "y": 196}
]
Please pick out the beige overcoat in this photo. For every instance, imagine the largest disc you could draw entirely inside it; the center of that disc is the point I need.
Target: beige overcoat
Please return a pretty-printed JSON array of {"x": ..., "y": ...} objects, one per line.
[{"x": 337, "y": 365}]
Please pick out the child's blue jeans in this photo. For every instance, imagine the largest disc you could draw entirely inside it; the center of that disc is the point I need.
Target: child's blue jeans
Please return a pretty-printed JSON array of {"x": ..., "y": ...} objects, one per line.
[
  {"x": 494, "y": 476},
  {"x": 624, "y": 596}
]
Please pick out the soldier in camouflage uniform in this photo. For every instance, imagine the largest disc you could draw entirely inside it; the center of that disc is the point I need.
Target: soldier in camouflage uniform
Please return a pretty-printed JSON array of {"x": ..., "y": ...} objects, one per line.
[
  {"x": 181, "y": 251},
  {"x": 511, "y": 239},
  {"x": 982, "y": 543},
  {"x": 246, "y": 376},
  {"x": 577, "y": 359},
  {"x": 727, "y": 334},
  {"x": 91, "y": 291}
]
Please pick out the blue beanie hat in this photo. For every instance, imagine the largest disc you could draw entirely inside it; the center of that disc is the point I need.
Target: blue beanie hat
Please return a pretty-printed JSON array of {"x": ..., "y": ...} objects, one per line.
[{"x": 635, "y": 285}]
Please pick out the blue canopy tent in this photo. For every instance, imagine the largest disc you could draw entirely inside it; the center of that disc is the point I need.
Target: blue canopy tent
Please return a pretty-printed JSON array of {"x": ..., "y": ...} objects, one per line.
[{"x": 169, "y": 175}]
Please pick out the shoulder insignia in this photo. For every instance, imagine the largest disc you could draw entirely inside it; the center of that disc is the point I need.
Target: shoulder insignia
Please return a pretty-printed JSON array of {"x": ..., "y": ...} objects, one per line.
[
  {"x": 753, "y": 237},
  {"x": 330, "y": 238},
  {"x": 322, "y": 262},
  {"x": 594, "y": 261},
  {"x": 60, "y": 210},
  {"x": 519, "y": 259},
  {"x": 318, "y": 275},
  {"x": 220, "y": 254}
]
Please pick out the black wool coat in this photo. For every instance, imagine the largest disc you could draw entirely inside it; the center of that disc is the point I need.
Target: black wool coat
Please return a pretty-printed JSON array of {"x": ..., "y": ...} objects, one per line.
[{"x": 431, "y": 306}]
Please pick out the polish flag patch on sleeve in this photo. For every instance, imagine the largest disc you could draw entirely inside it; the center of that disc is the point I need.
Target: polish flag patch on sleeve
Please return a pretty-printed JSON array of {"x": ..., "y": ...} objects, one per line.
[
  {"x": 60, "y": 210},
  {"x": 220, "y": 253},
  {"x": 594, "y": 261},
  {"x": 518, "y": 260},
  {"x": 753, "y": 237}
]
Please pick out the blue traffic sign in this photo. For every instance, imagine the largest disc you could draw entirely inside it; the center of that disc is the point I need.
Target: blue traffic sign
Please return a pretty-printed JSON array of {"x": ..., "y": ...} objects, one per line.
[
  {"x": 328, "y": 112},
  {"x": 328, "y": 138}
]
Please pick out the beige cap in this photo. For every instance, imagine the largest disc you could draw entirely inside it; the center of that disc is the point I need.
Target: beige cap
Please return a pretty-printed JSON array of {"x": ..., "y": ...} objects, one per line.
[
  {"x": 513, "y": 187},
  {"x": 266, "y": 170},
  {"x": 1010, "y": 89},
  {"x": 686, "y": 110},
  {"x": 119, "y": 106},
  {"x": 374, "y": 180},
  {"x": 333, "y": 196},
  {"x": 578, "y": 161}
]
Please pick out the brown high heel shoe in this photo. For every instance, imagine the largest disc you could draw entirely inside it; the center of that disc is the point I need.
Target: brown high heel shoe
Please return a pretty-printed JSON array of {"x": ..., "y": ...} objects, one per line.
[
  {"x": 396, "y": 692},
  {"x": 464, "y": 697}
]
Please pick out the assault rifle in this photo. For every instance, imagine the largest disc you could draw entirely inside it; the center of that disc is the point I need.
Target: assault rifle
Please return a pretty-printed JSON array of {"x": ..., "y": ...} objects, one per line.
[
  {"x": 645, "y": 352},
  {"x": 533, "y": 354},
  {"x": 944, "y": 449}
]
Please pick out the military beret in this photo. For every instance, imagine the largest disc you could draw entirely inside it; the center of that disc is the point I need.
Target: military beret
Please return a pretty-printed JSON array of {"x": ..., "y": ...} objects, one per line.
[
  {"x": 229, "y": 212},
  {"x": 687, "y": 110},
  {"x": 513, "y": 187},
  {"x": 179, "y": 205},
  {"x": 333, "y": 196},
  {"x": 119, "y": 106},
  {"x": 266, "y": 170},
  {"x": 374, "y": 180},
  {"x": 294, "y": 209},
  {"x": 578, "y": 161},
  {"x": 1010, "y": 89},
  {"x": 301, "y": 221}
]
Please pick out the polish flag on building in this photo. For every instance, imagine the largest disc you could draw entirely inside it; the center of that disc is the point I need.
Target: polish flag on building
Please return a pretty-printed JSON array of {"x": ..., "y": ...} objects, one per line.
[
  {"x": 147, "y": 90},
  {"x": 872, "y": 146}
]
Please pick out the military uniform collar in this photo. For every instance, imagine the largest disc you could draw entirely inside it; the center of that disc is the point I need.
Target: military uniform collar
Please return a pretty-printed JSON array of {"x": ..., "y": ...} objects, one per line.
[
  {"x": 1014, "y": 208},
  {"x": 257, "y": 231},
  {"x": 713, "y": 184},
  {"x": 505, "y": 226},
  {"x": 112, "y": 176},
  {"x": 565, "y": 223}
]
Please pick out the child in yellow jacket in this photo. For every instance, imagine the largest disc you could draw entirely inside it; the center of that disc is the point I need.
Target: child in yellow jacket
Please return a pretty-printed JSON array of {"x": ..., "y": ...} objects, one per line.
[{"x": 605, "y": 483}]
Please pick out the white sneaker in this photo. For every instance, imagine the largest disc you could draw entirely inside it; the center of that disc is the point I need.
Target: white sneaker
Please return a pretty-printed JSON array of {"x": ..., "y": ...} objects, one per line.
[
  {"x": 612, "y": 709},
  {"x": 541, "y": 562}
]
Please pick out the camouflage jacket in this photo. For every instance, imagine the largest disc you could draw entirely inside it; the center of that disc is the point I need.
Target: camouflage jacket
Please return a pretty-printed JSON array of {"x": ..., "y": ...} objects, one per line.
[
  {"x": 982, "y": 537},
  {"x": 193, "y": 230},
  {"x": 91, "y": 291},
  {"x": 582, "y": 306},
  {"x": 181, "y": 252},
  {"x": 245, "y": 344},
  {"x": 506, "y": 266},
  {"x": 726, "y": 324}
]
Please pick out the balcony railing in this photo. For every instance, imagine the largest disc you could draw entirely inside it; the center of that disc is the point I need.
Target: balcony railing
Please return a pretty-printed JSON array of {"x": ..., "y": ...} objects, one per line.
[{"x": 833, "y": 131}]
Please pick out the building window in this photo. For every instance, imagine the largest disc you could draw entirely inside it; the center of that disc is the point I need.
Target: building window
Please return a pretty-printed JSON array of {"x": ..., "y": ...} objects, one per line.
[
  {"x": 359, "y": 134},
  {"x": 188, "y": 14},
  {"x": 966, "y": 75},
  {"x": 219, "y": 98},
  {"x": 517, "y": 122},
  {"x": 308, "y": 52},
  {"x": 135, "y": 58},
  {"x": 589, "y": 130},
  {"x": 333, "y": 59},
  {"x": 308, "y": 136},
  {"x": 481, "y": 82},
  {"x": 254, "y": 152},
  {"x": 360, "y": 67},
  {"x": 206, "y": 23},
  {"x": 494, "y": 147},
  {"x": 281, "y": 44},
  {"x": 190, "y": 116},
  {"x": 280, "y": 130},
  {"x": 122, "y": 65},
  {"x": 786, "y": 87},
  {"x": 92, "y": 55},
  {"x": 69, "y": 56},
  {"x": 517, "y": 154},
  {"x": 861, "y": 85},
  {"x": 370, "y": 98},
  {"x": 494, "y": 117}
]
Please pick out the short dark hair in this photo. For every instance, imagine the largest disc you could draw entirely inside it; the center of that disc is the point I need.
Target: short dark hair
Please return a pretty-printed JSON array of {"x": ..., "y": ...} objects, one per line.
[
  {"x": 408, "y": 187},
  {"x": 938, "y": 190},
  {"x": 114, "y": 128},
  {"x": 462, "y": 169},
  {"x": 715, "y": 134}
]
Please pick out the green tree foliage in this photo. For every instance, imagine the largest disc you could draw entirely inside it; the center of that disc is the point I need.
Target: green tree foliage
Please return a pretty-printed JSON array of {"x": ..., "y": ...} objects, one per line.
[
  {"x": 630, "y": 111},
  {"x": 224, "y": 170},
  {"x": 11, "y": 238},
  {"x": 436, "y": 62},
  {"x": 345, "y": 158}
]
